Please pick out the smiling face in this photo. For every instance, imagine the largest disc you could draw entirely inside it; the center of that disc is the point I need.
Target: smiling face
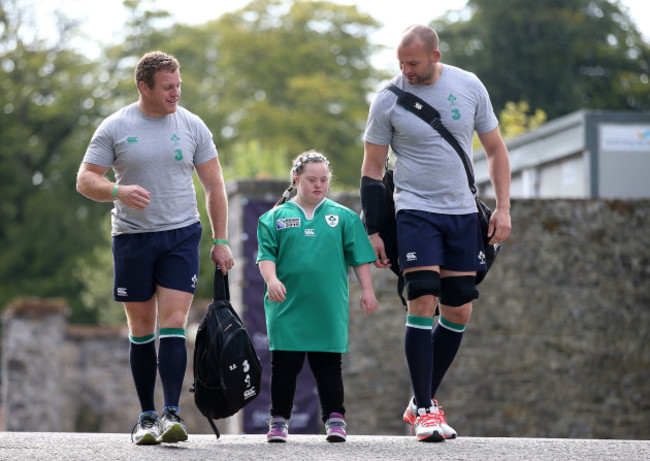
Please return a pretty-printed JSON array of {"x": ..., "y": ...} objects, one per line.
[
  {"x": 162, "y": 98},
  {"x": 312, "y": 183}
]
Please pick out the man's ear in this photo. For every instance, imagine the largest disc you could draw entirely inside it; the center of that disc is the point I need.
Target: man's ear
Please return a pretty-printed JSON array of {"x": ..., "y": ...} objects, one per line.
[{"x": 142, "y": 87}]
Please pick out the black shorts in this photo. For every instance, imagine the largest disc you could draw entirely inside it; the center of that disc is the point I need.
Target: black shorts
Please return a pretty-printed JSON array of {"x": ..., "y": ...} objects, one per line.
[
  {"x": 452, "y": 242},
  {"x": 143, "y": 261}
]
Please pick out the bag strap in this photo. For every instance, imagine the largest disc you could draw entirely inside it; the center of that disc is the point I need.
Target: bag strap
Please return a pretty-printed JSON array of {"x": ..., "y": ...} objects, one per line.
[
  {"x": 214, "y": 427},
  {"x": 431, "y": 116},
  {"x": 220, "y": 286}
]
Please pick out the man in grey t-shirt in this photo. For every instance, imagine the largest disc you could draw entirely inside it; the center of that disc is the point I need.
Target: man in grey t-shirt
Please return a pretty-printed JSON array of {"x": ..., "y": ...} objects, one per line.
[
  {"x": 439, "y": 241},
  {"x": 153, "y": 147}
]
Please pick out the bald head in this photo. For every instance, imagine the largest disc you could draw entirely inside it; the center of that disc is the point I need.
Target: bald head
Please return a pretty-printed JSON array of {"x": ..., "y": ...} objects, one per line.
[{"x": 424, "y": 34}]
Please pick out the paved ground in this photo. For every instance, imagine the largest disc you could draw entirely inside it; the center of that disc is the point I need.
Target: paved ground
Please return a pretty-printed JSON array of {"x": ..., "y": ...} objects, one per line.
[{"x": 28, "y": 446}]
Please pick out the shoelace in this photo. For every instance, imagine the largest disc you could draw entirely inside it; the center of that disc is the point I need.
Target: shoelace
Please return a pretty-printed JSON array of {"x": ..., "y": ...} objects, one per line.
[
  {"x": 278, "y": 426},
  {"x": 336, "y": 424},
  {"x": 144, "y": 423},
  {"x": 427, "y": 420},
  {"x": 172, "y": 416},
  {"x": 438, "y": 409}
]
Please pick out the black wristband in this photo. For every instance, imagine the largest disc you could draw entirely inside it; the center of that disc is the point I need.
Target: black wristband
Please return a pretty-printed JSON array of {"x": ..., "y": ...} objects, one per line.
[{"x": 373, "y": 203}]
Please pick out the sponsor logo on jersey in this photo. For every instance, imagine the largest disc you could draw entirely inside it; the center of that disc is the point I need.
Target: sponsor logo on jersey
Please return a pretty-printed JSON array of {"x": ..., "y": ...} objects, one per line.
[
  {"x": 286, "y": 223},
  {"x": 332, "y": 220},
  {"x": 411, "y": 256},
  {"x": 310, "y": 233}
]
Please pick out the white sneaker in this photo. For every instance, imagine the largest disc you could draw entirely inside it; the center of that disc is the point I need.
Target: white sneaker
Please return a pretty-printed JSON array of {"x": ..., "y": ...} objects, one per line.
[
  {"x": 172, "y": 429},
  {"x": 411, "y": 412},
  {"x": 427, "y": 426},
  {"x": 335, "y": 428},
  {"x": 278, "y": 429},
  {"x": 147, "y": 429}
]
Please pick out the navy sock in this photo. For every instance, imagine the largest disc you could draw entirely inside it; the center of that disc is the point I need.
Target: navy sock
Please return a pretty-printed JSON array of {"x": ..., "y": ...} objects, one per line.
[
  {"x": 419, "y": 356},
  {"x": 172, "y": 362},
  {"x": 144, "y": 367},
  {"x": 445, "y": 342}
]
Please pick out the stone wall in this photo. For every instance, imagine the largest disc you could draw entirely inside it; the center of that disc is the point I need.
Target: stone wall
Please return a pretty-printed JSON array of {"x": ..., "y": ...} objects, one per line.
[
  {"x": 557, "y": 345},
  {"x": 76, "y": 378},
  {"x": 558, "y": 341}
]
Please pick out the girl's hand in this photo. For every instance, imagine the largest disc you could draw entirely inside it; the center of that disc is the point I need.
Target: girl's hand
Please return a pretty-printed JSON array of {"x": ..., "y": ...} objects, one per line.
[
  {"x": 276, "y": 291},
  {"x": 369, "y": 303}
]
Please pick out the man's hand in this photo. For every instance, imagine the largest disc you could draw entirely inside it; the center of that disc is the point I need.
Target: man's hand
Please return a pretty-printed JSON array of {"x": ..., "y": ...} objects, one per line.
[
  {"x": 134, "y": 196},
  {"x": 377, "y": 243},
  {"x": 222, "y": 256},
  {"x": 500, "y": 225}
]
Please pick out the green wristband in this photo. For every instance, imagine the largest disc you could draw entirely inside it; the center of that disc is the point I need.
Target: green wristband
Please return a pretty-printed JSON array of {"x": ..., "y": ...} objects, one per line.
[
  {"x": 115, "y": 191},
  {"x": 220, "y": 242}
]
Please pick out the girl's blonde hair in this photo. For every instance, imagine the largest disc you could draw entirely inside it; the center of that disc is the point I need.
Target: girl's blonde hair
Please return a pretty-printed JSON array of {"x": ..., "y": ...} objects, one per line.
[{"x": 310, "y": 156}]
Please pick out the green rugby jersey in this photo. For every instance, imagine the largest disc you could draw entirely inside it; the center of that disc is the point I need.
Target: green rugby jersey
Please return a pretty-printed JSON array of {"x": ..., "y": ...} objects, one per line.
[{"x": 312, "y": 259}]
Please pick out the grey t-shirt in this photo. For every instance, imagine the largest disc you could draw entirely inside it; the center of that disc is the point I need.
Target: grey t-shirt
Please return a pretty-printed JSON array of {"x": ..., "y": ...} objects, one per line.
[
  {"x": 158, "y": 154},
  {"x": 429, "y": 175}
]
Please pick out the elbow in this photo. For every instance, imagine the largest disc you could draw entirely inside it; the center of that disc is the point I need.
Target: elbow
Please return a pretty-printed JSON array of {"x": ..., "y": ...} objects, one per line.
[{"x": 80, "y": 185}]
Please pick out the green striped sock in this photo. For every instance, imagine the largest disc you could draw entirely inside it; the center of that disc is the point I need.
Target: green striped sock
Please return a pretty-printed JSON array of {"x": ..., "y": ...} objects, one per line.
[
  {"x": 172, "y": 333},
  {"x": 142, "y": 339},
  {"x": 450, "y": 325},
  {"x": 423, "y": 323}
]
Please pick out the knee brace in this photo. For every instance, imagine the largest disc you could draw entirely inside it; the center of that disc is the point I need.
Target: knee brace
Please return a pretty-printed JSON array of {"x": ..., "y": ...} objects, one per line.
[
  {"x": 420, "y": 283},
  {"x": 456, "y": 291}
]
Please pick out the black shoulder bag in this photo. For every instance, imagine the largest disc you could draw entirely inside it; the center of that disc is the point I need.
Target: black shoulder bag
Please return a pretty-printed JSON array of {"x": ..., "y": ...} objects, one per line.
[{"x": 431, "y": 116}]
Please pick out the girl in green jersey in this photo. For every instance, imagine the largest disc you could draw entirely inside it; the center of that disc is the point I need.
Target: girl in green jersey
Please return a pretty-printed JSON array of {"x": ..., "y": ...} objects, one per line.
[{"x": 306, "y": 246}]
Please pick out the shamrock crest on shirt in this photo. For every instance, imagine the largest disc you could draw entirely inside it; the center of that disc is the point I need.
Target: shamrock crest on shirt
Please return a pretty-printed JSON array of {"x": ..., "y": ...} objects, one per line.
[{"x": 332, "y": 220}]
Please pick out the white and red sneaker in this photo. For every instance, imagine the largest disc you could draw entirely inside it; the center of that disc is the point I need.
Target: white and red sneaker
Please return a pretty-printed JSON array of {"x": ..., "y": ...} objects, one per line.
[
  {"x": 411, "y": 412},
  {"x": 427, "y": 426}
]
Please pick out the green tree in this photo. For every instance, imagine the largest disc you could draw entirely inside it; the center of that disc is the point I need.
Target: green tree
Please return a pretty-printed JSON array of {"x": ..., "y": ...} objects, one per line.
[
  {"x": 294, "y": 76},
  {"x": 515, "y": 120},
  {"x": 46, "y": 107},
  {"x": 557, "y": 55}
]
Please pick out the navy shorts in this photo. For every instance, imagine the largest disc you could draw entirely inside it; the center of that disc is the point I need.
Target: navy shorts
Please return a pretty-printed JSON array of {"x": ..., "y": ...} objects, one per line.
[
  {"x": 452, "y": 242},
  {"x": 143, "y": 261}
]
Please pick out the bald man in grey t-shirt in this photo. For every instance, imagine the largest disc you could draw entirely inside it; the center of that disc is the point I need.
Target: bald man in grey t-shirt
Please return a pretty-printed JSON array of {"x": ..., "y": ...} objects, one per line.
[{"x": 438, "y": 234}]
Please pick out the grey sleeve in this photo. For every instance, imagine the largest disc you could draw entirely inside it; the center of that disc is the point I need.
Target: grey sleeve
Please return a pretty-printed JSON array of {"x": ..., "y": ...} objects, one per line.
[
  {"x": 100, "y": 150},
  {"x": 379, "y": 129}
]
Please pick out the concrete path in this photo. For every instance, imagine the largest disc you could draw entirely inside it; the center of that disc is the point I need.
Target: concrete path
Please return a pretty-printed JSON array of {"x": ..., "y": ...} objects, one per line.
[{"x": 28, "y": 446}]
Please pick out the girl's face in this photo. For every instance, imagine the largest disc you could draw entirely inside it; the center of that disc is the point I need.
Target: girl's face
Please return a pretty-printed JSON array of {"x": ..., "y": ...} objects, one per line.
[{"x": 313, "y": 182}]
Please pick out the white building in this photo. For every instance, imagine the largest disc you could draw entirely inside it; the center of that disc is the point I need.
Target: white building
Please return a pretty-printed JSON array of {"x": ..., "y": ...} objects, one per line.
[{"x": 586, "y": 154}]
